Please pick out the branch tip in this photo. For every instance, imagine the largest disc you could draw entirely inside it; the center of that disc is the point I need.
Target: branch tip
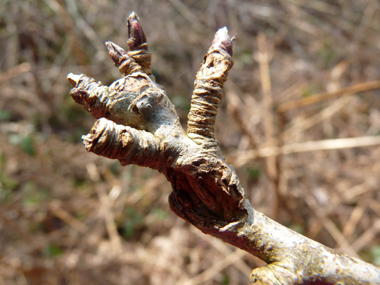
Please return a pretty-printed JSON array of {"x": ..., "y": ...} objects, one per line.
[
  {"x": 133, "y": 17},
  {"x": 116, "y": 52},
  {"x": 73, "y": 79},
  {"x": 222, "y": 40},
  {"x": 136, "y": 36},
  {"x": 222, "y": 34}
]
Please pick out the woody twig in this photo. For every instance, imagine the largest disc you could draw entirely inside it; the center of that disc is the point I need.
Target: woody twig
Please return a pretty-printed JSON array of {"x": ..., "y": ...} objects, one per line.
[{"x": 137, "y": 124}]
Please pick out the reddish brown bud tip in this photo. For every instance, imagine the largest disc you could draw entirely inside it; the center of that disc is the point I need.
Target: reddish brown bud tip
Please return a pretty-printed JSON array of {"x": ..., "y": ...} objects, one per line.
[
  {"x": 136, "y": 36},
  {"x": 116, "y": 53},
  {"x": 223, "y": 40}
]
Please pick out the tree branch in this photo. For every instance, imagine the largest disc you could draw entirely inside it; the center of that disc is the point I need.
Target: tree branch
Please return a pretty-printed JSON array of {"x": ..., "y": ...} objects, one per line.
[{"x": 138, "y": 125}]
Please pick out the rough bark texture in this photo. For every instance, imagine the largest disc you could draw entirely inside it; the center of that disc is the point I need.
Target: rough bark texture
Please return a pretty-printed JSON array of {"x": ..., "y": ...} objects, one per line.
[{"x": 137, "y": 124}]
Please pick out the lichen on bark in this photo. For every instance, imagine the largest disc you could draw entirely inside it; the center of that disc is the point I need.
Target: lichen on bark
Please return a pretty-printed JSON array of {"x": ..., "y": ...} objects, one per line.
[{"x": 137, "y": 124}]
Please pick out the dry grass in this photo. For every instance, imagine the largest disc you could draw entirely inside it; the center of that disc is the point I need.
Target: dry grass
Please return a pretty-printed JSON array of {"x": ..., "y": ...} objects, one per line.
[{"x": 69, "y": 217}]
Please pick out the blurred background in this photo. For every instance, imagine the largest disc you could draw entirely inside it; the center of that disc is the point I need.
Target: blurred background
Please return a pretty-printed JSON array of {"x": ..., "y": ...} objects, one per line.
[{"x": 300, "y": 122}]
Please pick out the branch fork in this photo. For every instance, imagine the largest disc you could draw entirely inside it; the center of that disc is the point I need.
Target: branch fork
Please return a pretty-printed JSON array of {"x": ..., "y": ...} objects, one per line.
[{"x": 138, "y": 124}]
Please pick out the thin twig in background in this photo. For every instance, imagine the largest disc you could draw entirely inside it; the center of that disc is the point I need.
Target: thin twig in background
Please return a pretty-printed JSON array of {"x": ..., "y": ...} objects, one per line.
[
  {"x": 367, "y": 236},
  {"x": 15, "y": 71},
  {"x": 227, "y": 250},
  {"x": 306, "y": 123},
  {"x": 243, "y": 157},
  {"x": 216, "y": 268},
  {"x": 331, "y": 227},
  {"x": 234, "y": 105},
  {"x": 187, "y": 14},
  {"x": 356, "y": 88},
  {"x": 106, "y": 210},
  {"x": 264, "y": 56},
  {"x": 59, "y": 7},
  {"x": 87, "y": 30},
  {"x": 354, "y": 219},
  {"x": 56, "y": 209}
]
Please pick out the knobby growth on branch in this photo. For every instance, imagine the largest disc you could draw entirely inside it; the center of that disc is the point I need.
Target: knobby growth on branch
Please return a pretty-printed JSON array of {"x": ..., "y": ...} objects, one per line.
[{"x": 137, "y": 124}]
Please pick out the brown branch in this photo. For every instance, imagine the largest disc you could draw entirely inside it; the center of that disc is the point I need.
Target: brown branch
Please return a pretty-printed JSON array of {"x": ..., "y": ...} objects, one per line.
[{"x": 139, "y": 125}]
